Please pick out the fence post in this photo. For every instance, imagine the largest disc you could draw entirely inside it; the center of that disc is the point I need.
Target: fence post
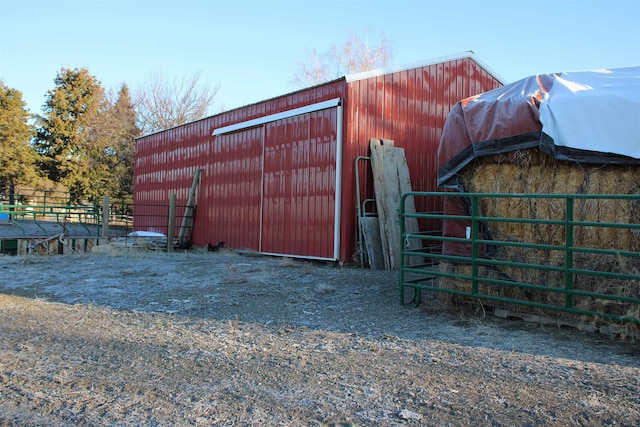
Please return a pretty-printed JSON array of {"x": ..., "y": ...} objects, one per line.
[
  {"x": 187, "y": 219},
  {"x": 105, "y": 216},
  {"x": 568, "y": 256},
  {"x": 402, "y": 240},
  {"x": 475, "y": 235},
  {"x": 172, "y": 219}
]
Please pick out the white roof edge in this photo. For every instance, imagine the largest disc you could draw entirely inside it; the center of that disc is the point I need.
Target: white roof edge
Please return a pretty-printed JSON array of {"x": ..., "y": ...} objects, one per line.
[
  {"x": 278, "y": 116},
  {"x": 433, "y": 61}
]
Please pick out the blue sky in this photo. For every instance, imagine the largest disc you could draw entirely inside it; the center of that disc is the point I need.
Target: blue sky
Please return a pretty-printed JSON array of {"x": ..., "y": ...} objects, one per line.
[{"x": 251, "y": 47}]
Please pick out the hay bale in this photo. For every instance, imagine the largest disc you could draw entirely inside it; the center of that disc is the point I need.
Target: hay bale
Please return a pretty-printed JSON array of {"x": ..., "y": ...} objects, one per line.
[{"x": 530, "y": 171}]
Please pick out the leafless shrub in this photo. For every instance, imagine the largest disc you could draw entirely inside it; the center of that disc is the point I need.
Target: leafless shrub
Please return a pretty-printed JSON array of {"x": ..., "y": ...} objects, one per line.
[
  {"x": 163, "y": 104},
  {"x": 356, "y": 55}
]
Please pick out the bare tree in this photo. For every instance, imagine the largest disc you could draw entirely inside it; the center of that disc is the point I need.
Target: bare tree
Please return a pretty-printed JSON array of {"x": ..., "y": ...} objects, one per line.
[
  {"x": 163, "y": 104},
  {"x": 311, "y": 72},
  {"x": 355, "y": 56}
]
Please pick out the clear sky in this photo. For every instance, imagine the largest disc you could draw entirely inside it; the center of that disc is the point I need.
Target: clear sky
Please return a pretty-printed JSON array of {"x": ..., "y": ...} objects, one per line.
[{"x": 251, "y": 47}]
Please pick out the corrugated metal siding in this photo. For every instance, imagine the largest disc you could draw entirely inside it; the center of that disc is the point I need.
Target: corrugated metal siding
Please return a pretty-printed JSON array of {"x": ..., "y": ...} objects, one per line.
[
  {"x": 230, "y": 192},
  {"x": 409, "y": 107},
  {"x": 231, "y": 181},
  {"x": 296, "y": 218},
  {"x": 299, "y": 185},
  {"x": 165, "y": 164}
]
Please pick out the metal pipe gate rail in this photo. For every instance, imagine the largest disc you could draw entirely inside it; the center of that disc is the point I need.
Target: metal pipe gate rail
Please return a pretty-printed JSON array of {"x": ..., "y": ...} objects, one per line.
[
  {"x": 474, "y": 274},
  {"x": 84, "y": 216}
]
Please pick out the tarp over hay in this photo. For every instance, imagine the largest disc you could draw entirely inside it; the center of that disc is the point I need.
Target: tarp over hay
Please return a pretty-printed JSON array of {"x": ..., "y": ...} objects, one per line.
[
  {"x": 566, "y": 133},
  {"x": 559, "y": 133},
  {"x": 587, "y": 117}
]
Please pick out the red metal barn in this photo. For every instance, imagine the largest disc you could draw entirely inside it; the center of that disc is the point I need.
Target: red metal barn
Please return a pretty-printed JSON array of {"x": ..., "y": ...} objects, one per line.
[{"x": 278, "y": 176}]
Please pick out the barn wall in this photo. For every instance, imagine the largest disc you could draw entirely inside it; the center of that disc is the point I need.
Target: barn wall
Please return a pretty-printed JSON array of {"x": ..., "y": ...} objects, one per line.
[
  {"x": 231, "y": 184},
  {"x": 410, "y": 107},
  {"x": 231, "y": 190}
]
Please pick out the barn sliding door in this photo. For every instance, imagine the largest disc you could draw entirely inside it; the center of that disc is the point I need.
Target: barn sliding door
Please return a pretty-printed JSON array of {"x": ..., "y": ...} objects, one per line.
[
  {"x": 233, "y": 189},
  {"x": 299, "y": 199},
  {"x": 300, "y": 177}
]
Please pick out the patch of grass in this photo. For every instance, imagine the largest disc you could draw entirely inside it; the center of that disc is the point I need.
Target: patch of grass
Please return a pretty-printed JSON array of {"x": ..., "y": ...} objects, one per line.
[
  {"x": 324, "y": 288},
  {"x": 287, "y": 262}
]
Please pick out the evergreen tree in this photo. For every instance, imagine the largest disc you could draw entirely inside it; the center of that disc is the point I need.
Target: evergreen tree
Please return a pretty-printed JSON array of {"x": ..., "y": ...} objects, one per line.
[
  {"x": 116, "y": 127},
  {"x": 128, "y": 118},
  {"x": 17, "y": 157},
  {"x": 64, "y": 133}
]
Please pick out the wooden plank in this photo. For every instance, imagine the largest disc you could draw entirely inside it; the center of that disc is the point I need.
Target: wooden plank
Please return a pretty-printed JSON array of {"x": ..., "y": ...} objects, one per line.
[
  {"x": 371, "y": 233},
  {"x": 377, "y": 167},
  {"x": 391, "y": 204},
  {"x": 387, "y": 194},
  {"x": 187, "y": 219},
  {"x": 391, "y": 180}
]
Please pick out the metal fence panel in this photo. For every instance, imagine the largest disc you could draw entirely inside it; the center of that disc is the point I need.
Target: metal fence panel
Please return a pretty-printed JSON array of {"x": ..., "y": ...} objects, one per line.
[{"x": 569, "y": 260}]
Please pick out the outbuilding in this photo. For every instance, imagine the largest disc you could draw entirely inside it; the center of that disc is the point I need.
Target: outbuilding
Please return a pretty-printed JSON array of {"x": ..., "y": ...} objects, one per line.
[{"x": 279, "y": 176}]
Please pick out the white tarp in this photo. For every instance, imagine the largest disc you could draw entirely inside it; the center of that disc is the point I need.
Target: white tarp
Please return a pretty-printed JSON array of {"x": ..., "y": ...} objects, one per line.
[
  {"x": 143, "y": 233},
  {"x": 595, "y": 111}
]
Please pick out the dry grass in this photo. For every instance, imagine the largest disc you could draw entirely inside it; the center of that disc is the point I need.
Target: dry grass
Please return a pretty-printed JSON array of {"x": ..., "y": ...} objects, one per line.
[{"x": 288, "y": 262}]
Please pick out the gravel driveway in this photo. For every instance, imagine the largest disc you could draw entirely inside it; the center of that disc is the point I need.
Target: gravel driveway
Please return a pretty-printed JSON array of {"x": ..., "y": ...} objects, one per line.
[{"x": 223, "y": 339}]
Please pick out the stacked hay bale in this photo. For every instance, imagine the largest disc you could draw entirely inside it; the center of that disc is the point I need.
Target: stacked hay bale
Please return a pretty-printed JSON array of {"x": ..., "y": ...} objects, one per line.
[{"x": 530, "y": 171}]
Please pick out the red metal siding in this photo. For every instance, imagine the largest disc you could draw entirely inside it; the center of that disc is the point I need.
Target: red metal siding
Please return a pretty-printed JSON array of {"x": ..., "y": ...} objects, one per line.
[
  {"x": 165, "y": 164},
  {"x": 230, "y": 192},
  {"x": 228, "y": 199},
  {"x": 409, "y": 107},
  {"x": 299, "y": 185}
]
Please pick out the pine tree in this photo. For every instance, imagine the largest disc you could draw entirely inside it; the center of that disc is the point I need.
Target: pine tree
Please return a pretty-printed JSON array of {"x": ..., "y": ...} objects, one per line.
[
  {"x": 117, "y": 128},
  {"x": 17, "y": 157},
  {"x": 64, "y": 133}
]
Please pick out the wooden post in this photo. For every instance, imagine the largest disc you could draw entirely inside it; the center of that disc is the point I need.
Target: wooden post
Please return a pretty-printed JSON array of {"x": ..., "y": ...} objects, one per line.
[
  {"x": 188, "y": 212},
  {"x": 172, "y": 220},
  {"x": 105, "y": 216}
]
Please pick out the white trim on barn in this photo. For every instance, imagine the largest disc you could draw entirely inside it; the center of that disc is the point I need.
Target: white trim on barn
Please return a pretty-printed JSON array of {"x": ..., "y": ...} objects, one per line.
[
  {"x": 384, "y": 71},
  {"x": 338, "y": 204},
  {"x": 278, "y": 116}
]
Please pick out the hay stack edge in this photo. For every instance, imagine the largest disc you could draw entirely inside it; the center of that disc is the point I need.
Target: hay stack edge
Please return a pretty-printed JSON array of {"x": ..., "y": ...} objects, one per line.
[{"x": 564, "y": 133}]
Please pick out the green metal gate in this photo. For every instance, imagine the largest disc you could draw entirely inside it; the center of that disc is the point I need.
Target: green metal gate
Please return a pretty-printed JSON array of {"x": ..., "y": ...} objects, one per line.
[{"x": 563, "y": 253}]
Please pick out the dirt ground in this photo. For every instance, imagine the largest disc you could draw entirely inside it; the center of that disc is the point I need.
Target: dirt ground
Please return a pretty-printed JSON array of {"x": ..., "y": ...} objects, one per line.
[{"x": 224, "y": 339}]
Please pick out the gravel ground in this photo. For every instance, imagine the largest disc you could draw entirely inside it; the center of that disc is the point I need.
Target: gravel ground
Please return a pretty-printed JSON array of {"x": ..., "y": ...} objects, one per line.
[{"x": 223, "y": 339}]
